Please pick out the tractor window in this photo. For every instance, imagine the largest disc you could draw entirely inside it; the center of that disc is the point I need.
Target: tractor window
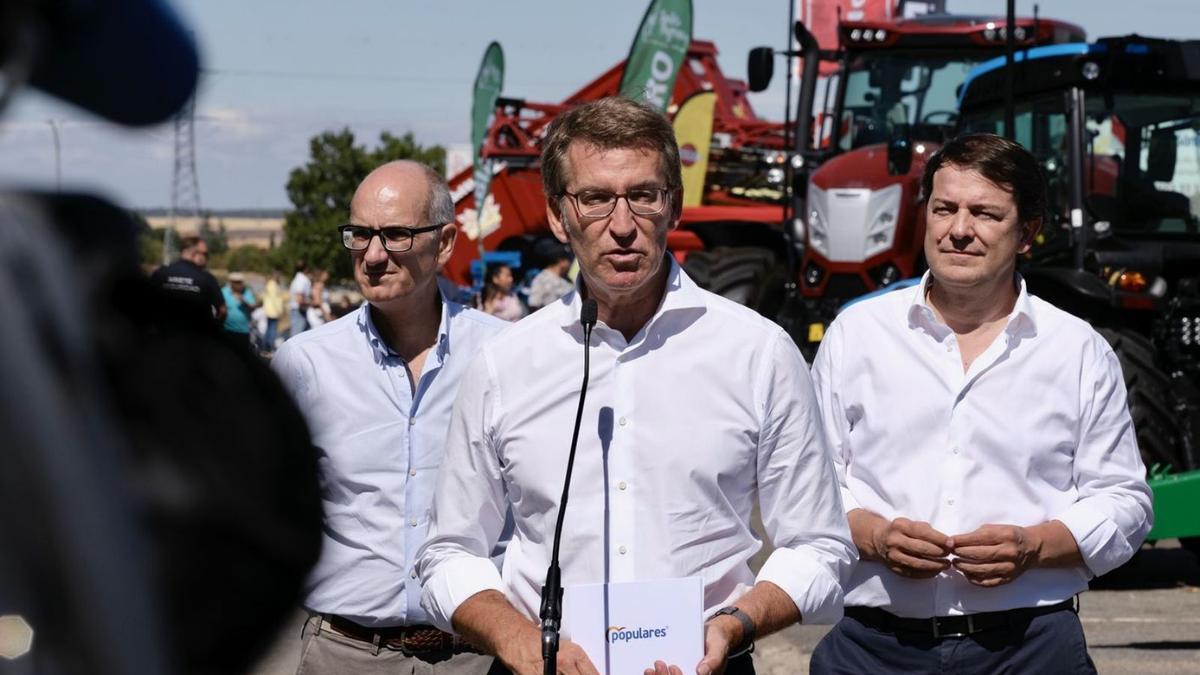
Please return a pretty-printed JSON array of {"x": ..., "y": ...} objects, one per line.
[
  {"x": 887, "y": 91},
  {"x": 1144, "y": 173}
]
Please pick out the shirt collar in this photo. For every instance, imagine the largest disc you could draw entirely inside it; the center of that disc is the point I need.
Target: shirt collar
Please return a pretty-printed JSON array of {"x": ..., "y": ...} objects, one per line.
[
  {"x": 1021, "y": 321},
  {"x": 680, "y": 293},
  {"x": 381, "y": 348}
]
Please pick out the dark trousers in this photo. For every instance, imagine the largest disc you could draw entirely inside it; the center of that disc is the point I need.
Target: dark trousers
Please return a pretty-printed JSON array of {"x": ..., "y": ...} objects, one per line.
[
  {"x": 1050, "y": 643},
  {"x": 742, "y": 665}
]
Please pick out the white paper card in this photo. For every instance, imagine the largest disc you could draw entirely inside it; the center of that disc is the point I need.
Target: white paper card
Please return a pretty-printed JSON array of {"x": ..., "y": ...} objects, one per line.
[{"x": 625, "y": 627}]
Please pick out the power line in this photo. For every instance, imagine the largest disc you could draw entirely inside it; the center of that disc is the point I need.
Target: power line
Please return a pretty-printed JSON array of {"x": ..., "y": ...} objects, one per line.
[{"x": 185, "y": 184}]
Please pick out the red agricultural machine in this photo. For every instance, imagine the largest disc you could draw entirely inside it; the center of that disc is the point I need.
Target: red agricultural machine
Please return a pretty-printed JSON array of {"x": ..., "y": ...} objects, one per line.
[
  {"x": 740, "y": 204},
  {"x": 891, "y": 98}
]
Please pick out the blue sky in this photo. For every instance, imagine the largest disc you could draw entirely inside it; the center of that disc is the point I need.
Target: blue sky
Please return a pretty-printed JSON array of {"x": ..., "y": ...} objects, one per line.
[{"x": 279, "y": 72}]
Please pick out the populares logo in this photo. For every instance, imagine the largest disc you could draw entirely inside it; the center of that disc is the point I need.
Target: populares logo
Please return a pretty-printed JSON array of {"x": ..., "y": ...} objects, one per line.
[{"x": 615, "y": 634}]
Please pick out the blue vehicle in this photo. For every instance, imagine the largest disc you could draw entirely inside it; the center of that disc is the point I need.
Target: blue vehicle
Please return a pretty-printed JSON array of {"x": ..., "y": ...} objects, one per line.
[{"x": 1116, "y": 127}]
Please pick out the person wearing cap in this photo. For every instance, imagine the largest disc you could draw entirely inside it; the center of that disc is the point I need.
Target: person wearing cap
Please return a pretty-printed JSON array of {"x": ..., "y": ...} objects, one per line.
[
  {"x": 188, "y": 281},
  {"x": 239, "y": 303},
  {"x": 376, "y": 387},
  {"x": 697, "y": 411},
  {"x": 551, "y": 283},
  {"x": 986, "y": 454}
]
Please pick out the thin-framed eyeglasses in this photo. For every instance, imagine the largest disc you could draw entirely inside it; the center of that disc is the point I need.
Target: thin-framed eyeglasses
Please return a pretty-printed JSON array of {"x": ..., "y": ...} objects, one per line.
[
  {"x": 394, "y": 238},
  {"x": 648, "y": 201}
]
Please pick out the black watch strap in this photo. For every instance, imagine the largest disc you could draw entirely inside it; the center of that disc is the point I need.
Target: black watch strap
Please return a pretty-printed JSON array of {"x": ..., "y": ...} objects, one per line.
[{"x": 748, "y": 629}]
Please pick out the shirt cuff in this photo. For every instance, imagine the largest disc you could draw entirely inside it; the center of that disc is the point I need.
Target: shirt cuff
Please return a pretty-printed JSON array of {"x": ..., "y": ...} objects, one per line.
[
  {"x": 1101, "y": 545},
  {"x": 454, "y": 581},
  {"x": 849, "y": 503},
  {"x": 809, "y": 583}
]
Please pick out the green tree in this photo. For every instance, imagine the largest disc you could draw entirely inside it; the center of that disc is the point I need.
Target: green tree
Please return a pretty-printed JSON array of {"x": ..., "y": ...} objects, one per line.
[
  {"x": 150, "y": 241},
  {"x": 244, "y": 258},
  {"x": 320, "y": 192}
]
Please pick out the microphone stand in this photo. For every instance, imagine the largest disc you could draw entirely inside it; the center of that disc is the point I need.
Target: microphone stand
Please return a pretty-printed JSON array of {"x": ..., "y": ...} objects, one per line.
[{"x": 551, "y": 612}]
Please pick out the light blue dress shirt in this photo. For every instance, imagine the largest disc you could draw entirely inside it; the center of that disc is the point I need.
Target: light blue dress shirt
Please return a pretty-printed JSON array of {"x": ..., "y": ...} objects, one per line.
[{"x": 380, "y": 448}]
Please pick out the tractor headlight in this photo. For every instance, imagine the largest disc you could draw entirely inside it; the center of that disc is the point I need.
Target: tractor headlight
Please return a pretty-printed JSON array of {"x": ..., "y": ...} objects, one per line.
[
  {"x": 884, "y": 213},
  {"x": 818, "y": 227}
]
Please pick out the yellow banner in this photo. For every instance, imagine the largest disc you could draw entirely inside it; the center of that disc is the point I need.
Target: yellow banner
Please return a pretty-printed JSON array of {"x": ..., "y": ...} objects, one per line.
[{"x": 693, "y": 132}]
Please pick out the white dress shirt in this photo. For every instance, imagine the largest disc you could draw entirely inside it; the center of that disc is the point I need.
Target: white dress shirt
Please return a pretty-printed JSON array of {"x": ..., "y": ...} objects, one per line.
[
  {"x": 1036, "y": 430},
  {"x": 380, "y": 447},
  {"x": 301, "y": 285},
  {"x": 708, "y": 408}
]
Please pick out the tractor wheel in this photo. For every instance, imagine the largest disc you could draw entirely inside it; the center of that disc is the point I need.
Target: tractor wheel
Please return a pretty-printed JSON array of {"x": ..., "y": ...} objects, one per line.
[
  {"x": 1191, "y": 544},
  {"x": 749, "y": 276},
  {"x": 1162, "y": 414}
]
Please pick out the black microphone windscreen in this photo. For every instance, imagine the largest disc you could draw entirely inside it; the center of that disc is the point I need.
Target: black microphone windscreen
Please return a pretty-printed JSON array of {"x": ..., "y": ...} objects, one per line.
[{"x": 587, "y": 315}]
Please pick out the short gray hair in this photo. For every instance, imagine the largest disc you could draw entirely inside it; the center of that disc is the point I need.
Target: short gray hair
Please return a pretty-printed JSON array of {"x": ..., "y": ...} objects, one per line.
[{"x": 439, "y": 205}]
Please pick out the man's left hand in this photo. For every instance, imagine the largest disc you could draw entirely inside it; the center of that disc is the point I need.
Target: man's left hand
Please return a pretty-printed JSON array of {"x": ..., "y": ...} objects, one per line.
[
  {"x": 719, "y": 637},
  {"x": 995, "y": 554}
]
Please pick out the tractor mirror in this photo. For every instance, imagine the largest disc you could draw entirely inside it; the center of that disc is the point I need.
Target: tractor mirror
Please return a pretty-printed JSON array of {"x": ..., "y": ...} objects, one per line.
[
  {"x": 761, "y": 67},
  {"x": 899, "y": 151},
  {"x": 1160, "y": 165}
]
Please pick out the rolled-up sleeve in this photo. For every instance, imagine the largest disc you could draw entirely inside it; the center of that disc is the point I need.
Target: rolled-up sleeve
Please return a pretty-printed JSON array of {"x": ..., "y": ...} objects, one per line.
[
  {"x": 1114, "y": 511},
  {"x": 798, "y": 490},
  {"x": 469, "y": 506}
]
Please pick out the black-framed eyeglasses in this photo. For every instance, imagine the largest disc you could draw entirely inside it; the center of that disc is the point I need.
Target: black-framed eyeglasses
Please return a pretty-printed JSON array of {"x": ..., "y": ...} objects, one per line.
[
  {"x": 394, "y": 238},
  {"x": 601, "y": 203}
]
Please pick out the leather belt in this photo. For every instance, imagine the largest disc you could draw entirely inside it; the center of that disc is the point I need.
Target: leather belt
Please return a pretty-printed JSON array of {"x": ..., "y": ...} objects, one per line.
[
  {"x": 952, "y": 626},
  {"x": 411, "y": 640}
]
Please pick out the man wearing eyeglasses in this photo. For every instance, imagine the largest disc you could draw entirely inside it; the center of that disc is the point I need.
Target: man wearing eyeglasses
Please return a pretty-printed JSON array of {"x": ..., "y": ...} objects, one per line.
[
  {"x": 377, "y": 387},
  {"x": 696, "y": 407}
]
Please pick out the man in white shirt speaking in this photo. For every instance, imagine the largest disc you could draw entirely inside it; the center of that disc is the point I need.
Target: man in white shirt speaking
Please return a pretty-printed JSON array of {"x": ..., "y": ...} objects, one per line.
[
  {"x": 985, "y": 451},
  {"x": 696, "y": 407},
  {"x": 377, "y": 387}
]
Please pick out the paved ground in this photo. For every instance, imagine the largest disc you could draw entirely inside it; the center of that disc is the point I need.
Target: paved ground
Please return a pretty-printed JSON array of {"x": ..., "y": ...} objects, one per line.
[{"x": 1144, "y": 618}]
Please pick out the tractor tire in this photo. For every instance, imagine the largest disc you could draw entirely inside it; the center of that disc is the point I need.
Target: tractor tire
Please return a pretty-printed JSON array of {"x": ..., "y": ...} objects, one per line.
[
  {"x": 1163, "y": 417},
  {"x": 749, "y": 276}
]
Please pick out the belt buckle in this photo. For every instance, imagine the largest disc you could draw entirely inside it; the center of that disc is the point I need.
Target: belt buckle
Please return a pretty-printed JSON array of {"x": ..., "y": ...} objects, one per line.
[{"x": 937, "y": 631}]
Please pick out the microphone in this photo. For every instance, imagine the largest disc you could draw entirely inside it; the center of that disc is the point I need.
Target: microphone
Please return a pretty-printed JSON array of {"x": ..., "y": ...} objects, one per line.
[{"x": 551, "y": 612}]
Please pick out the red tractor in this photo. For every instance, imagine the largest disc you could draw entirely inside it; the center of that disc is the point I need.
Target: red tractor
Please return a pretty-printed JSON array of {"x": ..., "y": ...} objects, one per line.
[{"x": 889, "y": 105}]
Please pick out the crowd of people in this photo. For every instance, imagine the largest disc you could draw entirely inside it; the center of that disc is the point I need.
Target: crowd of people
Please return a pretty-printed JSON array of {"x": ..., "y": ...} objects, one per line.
[
  {"x": 914, "y": 494},
  {"x": 261, "y": 323}
]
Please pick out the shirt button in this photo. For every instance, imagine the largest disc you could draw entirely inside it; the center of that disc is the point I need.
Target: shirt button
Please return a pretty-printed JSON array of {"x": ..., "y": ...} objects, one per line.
[
  {"x": 413, "y": 522},
  {"x": 621, "y": 421},
  {"x": 412, "y": 421},
  {"x": 950, "y": 502},
  {"x": 955, "y": 451},
  {"x": 413, "y": 574},
  {"x": 621, "y": 485},
  {"x": 621, "y": 550},
  {"x": 414, "y": 471}
]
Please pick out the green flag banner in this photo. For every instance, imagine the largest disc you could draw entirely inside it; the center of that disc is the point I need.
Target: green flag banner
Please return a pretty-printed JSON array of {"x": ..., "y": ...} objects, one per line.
[
  {"x": 488, "y": 83},
  {"x": 658, "y": 52}
]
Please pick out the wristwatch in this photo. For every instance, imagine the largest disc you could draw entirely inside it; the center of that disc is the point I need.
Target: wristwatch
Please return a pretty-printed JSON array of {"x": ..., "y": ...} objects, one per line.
[{"x": 748, "y": 630}]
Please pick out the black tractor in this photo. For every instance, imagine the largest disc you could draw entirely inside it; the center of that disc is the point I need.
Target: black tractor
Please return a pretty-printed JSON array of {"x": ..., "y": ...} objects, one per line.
[{"x": 1116, "y": 127}]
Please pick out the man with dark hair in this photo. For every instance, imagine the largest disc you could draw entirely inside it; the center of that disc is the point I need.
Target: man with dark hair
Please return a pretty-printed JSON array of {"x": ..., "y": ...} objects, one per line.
[
  {"x": 984, "y": 448},
  {"x": 376, "y": 387},
  {"x": 189, "y": 280},
  {"x": 696, "y": 407}
]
